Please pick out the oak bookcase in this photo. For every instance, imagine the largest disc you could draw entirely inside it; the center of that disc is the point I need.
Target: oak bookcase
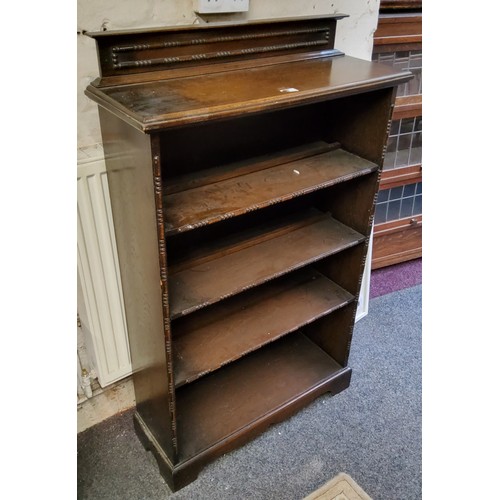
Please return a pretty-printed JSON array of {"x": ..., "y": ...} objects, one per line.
[{"x": 243, "y": 162}]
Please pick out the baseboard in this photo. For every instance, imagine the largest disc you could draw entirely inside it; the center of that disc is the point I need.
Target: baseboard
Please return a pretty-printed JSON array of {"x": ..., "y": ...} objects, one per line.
[{"x": 113, "y": 399}]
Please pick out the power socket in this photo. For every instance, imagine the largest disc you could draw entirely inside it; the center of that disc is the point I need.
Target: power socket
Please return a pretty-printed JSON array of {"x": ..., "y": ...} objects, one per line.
[{"x": 220, "y": 6}]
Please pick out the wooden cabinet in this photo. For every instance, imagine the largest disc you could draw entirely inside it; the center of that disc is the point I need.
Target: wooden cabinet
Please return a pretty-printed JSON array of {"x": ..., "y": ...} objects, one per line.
[
  {"x": 398, "y": 216},
  {"x": 243, "y": 161}
]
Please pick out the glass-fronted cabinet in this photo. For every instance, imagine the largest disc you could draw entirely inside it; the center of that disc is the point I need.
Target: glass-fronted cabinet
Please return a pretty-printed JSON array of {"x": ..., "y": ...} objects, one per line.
[{"x": 398, "y": 218}]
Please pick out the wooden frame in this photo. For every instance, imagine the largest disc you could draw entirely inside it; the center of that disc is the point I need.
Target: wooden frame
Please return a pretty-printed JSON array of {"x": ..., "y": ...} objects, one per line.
[
  {"x": 399, "y": 29},
  {"x": 397, "y": 241},
  {"x": 243, "y": 204},
  {"x": 401, "y": 176}
]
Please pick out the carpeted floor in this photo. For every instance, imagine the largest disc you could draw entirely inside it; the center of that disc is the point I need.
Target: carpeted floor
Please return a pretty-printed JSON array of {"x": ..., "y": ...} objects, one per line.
[
  {"x": 371, "y": 431},
  {"x": 396, "y": 277}
]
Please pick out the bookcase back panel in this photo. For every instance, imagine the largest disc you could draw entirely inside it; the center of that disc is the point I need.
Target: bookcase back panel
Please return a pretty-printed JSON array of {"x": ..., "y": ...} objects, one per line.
[
  {"x": 191, "y": 149},
  {"x": 333, "y": 333},
  {"x": 213, "y": 337},
  {"x": 352, "y": 202},
  {"x": 222, "y": 404},
  {"x": 361, "y": 122}
]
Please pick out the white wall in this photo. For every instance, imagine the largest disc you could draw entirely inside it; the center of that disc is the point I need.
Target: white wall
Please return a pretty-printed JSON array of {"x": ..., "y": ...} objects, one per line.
[{"x": 354, "y": 34}]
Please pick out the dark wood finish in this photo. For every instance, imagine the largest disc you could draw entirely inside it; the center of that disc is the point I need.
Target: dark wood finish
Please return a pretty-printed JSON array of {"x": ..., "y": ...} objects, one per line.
[
  {"x": 223, "y": 403},
  {"x": 168, "y": 103},
  {"x": 407, "y": 107},
  {"x": 344, "y": 268},
  {"x": 397, "y": 46},
  {"x": 243, "y": 192},
  {"x": 350, "y": 204},
  {"x": 243, "y": 162},
  {"x": 362, "y": 122},
  {"x": 386, "y": 5},
  {"x": 181, "y": 474},
  {"x": 401, "y": 176},
  {"x": 334, "y": 333},
  {"x": 399, "y": 30},
  {"x": 397, "y": 241},
  {"x": 138, "y": 53},
  {"x": 130, "y": 170},
  {"x": 217, "y": 336},
  {"x": 255, "y": 164},
  {"x": 249, "y": 149},
  {"x": 221, "y": 273}
]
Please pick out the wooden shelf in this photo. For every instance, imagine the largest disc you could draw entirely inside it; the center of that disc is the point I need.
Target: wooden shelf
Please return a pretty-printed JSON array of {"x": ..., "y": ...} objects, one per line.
[
  {"x": 248, "y": 259},
  {"x": 196, "y": 200},
  {"x": 221, "y": 334},
  {"x": 219, "y": 405}
]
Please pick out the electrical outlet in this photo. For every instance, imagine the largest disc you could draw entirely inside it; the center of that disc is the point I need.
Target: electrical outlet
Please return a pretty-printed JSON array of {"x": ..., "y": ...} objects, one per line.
[{"x": 220, "y": 6}]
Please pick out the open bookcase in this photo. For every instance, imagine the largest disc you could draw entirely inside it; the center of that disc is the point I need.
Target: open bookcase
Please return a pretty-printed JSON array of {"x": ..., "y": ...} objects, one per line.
[{"x": 243, "y": 162}]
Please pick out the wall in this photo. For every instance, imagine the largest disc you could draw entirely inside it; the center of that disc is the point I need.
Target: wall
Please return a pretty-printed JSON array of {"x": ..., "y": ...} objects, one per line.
[{"x": 354, "y": 34}]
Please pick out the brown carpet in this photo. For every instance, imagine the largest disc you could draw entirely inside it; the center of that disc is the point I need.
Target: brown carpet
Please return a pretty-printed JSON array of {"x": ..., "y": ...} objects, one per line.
[{"x": 341, "y": 487}]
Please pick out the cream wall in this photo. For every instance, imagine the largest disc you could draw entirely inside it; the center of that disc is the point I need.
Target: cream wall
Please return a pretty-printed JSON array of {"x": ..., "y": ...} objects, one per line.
[{"x": 354, "y": 34}]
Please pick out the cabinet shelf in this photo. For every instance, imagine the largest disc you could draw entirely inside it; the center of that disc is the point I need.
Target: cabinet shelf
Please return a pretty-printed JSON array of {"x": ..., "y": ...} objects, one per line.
[
  {"x": 214, "y": 408},
  {"x": 254, "y": 257},
  {"x": 219, "y": 193},
  {"x": 221, "y": 334}
]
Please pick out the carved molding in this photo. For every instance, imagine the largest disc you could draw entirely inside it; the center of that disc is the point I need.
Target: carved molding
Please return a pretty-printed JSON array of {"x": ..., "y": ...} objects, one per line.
[
  {"x": 219, "y": 39},
  {"x": 215, "y": 55},
  {"x": 162, "y": 252}
]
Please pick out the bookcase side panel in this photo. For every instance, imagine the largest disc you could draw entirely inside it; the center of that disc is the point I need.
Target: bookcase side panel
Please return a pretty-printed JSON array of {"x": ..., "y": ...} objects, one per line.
[
  {"x": 333, "y": 333},
  {"x": 129, "y": 165},
  {"x": 361, "y": 122}
]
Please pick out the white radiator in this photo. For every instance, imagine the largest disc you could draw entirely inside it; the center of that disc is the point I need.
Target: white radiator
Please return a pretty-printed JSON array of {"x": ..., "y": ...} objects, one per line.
[{"x": 102, "y": 312}]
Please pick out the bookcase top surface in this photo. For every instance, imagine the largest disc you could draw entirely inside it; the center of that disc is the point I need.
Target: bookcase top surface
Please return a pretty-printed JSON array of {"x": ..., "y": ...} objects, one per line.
[
  {"x": 158, "y": 104},
  {"x": 214, "y": 25}
]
